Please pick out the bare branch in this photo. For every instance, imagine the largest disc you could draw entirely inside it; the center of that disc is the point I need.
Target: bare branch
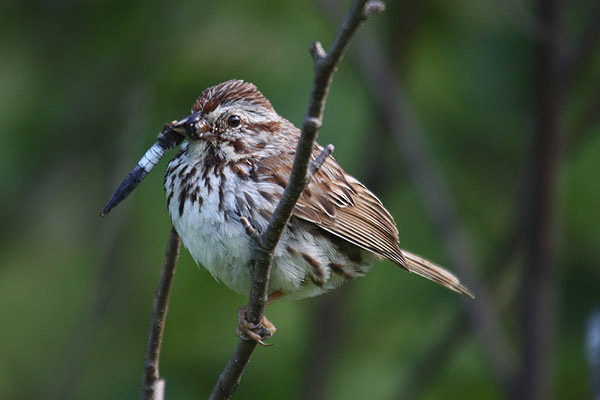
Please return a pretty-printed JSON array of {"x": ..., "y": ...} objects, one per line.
[
  {"x": 152, "y": 386},
  {"x": 325, "y": 66},
  {"x": 539, "y": 283}
]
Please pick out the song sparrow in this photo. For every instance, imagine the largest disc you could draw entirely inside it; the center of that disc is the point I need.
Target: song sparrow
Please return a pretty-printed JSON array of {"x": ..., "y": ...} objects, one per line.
[{"x": 236, "y": 163}]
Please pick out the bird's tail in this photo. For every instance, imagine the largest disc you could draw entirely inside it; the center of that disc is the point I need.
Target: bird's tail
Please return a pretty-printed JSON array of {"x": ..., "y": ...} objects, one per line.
[{"x": 429, "y": 270}]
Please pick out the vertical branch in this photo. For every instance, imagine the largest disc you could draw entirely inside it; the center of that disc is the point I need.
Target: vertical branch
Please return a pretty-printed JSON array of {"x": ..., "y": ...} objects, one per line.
[
  {"x": 325, "y": 66},
  {"x": 538, "y": 289},
  {"x": 152, "y": 386}
]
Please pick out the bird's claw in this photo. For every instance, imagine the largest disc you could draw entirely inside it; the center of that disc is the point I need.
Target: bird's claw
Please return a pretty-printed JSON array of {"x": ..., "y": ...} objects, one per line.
[{"x": 257, "y": 332}]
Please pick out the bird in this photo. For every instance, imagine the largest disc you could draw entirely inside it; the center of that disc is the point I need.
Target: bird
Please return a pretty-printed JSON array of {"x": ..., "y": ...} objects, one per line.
[{"x": 234, "y": 162}]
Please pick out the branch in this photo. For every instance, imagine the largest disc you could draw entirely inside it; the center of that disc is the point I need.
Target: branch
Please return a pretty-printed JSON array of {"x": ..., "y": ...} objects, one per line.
[
  {"x": 152, "y": 386},
  {"x": 325, "y": 66},
  {"x": 539, "y": 283}
]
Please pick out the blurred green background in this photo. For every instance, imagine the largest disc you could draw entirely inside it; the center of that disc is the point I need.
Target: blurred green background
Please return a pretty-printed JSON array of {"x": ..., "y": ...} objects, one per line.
[{"x": 85, "y": 86}]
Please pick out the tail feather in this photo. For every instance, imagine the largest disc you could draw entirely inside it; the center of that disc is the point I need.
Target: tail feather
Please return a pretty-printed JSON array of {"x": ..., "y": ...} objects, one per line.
[{"x": 429, "y": 270}]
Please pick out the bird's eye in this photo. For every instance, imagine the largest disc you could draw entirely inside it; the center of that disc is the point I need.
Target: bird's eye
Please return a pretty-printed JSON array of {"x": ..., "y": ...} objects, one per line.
[{"x": 234, "y": 121}]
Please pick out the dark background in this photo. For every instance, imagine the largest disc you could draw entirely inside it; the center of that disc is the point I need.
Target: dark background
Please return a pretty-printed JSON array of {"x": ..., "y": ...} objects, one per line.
[{"x": 505, "y": 106}]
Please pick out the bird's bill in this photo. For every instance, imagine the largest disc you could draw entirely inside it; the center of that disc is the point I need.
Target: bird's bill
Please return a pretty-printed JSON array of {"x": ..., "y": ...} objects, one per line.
[
  {"x": 194, "y": 125},
  {"x": 179, "y": 126}
]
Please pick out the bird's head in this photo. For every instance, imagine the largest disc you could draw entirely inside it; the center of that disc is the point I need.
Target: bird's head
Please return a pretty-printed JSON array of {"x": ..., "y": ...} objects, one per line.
[{"x": 234, "y": 118}]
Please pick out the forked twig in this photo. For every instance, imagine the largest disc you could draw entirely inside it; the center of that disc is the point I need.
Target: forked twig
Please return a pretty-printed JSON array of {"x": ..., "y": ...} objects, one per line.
[{"x": 325, "y": 66}]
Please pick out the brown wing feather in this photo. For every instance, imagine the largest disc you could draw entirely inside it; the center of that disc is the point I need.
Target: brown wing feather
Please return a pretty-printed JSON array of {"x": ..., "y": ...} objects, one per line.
[
  {"x": 339, "y": 204},
  {"x": 351, "y": 211}
]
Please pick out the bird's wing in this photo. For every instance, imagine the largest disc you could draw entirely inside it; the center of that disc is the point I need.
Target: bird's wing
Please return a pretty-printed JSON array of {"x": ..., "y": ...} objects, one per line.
[{"x": 341, "y": 205}]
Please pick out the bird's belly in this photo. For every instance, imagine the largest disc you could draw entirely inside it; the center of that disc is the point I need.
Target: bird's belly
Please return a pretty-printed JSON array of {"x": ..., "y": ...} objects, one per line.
[
  {"x": 215, "y": 238},
  {"x": 206, "y": 214}
]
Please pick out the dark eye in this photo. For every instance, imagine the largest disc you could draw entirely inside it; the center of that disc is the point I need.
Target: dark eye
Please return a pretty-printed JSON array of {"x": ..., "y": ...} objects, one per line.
[{"x": 234, "y": 121}]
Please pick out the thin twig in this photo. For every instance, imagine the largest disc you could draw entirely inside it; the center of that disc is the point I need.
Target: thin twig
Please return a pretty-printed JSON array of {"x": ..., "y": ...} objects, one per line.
[
  {"x": 318, "y": 162},
  {"x": 325, "y": 66},
  {"x": 152, "y": 385}
]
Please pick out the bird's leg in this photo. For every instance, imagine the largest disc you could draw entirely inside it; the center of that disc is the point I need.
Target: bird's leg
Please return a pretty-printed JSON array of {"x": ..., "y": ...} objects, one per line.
[
  {"x": 260, "y": 331},
  {"x": 274, "y": 297}
]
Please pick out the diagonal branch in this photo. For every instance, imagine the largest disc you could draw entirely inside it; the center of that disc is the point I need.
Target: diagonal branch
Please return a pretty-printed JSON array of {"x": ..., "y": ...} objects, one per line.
[{"x": 325, "y": 65}]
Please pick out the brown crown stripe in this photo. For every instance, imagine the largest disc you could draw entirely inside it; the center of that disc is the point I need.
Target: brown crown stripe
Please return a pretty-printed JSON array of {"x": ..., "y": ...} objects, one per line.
[{"x": 228, "y": 92}]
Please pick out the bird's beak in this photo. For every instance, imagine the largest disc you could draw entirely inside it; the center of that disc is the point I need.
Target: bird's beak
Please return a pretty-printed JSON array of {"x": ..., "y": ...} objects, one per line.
[
  {"x": 179, "y": 126},
  {"x": 194, "y": 126}
]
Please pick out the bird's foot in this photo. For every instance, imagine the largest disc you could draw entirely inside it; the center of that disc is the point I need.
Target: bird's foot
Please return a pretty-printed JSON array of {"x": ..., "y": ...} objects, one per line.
[{"x": 249, "y": 331}]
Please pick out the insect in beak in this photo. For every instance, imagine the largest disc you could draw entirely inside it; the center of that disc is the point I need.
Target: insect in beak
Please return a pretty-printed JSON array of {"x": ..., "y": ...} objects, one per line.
[{"x": 171, "y": 136}]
